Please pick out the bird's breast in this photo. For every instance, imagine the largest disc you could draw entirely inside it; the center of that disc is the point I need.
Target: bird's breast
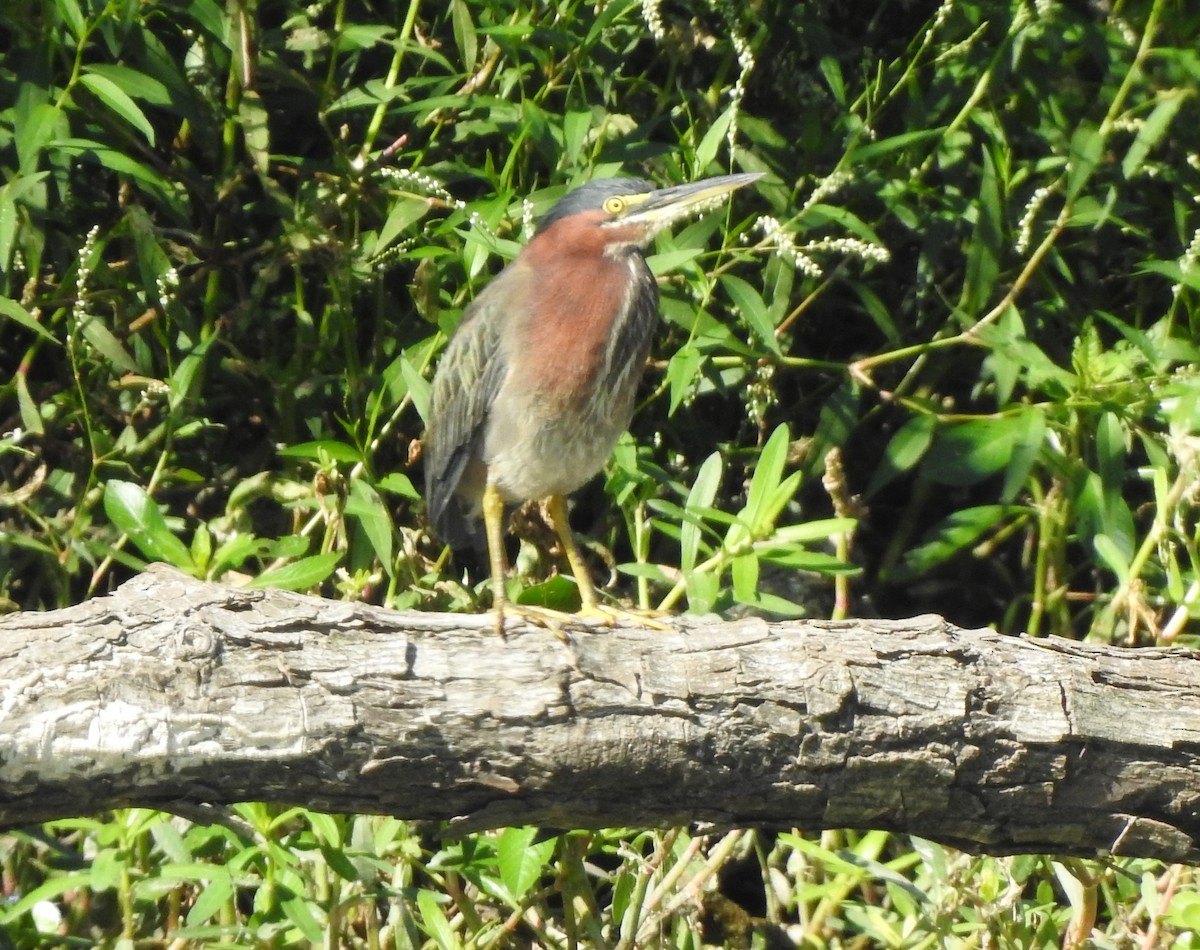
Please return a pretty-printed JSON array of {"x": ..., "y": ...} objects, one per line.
[
  {"x": 572, "y": 379},
  {"x": 570, "y": 326}
]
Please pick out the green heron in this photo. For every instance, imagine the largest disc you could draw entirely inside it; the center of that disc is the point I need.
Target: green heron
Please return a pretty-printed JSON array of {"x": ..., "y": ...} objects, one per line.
[{"x": 539, "y": 381}]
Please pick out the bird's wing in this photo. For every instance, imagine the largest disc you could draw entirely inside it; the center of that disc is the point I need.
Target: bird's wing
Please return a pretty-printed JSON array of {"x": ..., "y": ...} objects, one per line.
[{"x": 464, "y": 387}]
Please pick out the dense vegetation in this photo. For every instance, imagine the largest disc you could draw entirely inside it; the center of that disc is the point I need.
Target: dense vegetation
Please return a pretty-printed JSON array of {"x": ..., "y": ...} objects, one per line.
[{"x": 962, "y": 311}]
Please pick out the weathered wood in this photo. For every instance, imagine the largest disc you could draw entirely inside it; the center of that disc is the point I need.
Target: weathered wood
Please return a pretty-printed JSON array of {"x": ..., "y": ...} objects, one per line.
[{"x": 172, "y": 693}]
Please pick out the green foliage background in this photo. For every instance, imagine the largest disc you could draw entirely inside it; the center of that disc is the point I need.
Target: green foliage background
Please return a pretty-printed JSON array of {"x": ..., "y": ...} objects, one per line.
[{"x": 953, "y": 332}]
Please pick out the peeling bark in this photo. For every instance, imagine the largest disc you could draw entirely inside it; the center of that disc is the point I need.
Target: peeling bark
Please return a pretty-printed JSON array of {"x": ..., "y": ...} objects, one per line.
[{"x": 173, "y": 693}]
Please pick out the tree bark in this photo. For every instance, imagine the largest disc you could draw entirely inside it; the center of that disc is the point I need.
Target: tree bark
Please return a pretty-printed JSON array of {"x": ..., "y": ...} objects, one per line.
[{"x": 174, "y": 693}]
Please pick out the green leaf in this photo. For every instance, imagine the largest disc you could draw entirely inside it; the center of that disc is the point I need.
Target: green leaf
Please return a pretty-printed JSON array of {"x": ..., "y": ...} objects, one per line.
[
  {"x": 433, "y": 920},
  {"x": 47, "y": 890},
  {"x": 1014, "y": 356},
  {"x": 303, "y": 574},
  {"x": 768, "y": 474},
  {"x": 1184, "y": 910},
  {"x": 9, "y": 227},
  {"x": 671, "y": 260},
  {"x": 366, "y": 507},
  {"x": 879, "y": 311},
  {"x": 1172, "y": 270},
  {"x": 521, "y": 862},
  {"x": 605, "y": 16},
  {"x": 135, "y": 84},
  {"x": 772, "y": 603},
  {"x": 831, "y": 69},
  {"x": 1114, "y": 558},
  {"x": 108, "y": 866},
  {"x": 984, "y": 250},
  {"x": 653, "y": 572},
  {"x": 1003, "y": 366},
  {"x": 212, "y": 897},
  {"x": 965, "y": 453},
  {"x": 339, "y": 862},
  {"x": 169, "y": 841},
  {"x": 749, "y": 303},
  {"x": 374, "y": 92},
  {"x": 821, "y": 214},
  {"x": 520, "y": 31},
  {"x": 802, "y": 559},
  {"x": 15, "y": 312},
  {"x": 1102, "y": 509},
  {"x": 701, "y": 495},
  {"x": 234, "y": 552},
  {"x": 831, "y": 862},
  {"x": 701, "y": 517},
  {"x": 958, "y": 530},
  {"x": 1028, "y": 441},
  {"x": 703, "y": 588},
  {"x": 418, "y": 386},
  {"x": 136, "y": 515},
  {"x": 323, "y": 449},
  {"x": 1153, "y": 129},
  {"x": 1086, "y": 150},
  {"x": 107, "y": 345},
  {"x": 682, "y": 372},
  {"x": 778, "y": 281},
  {"x": 326, "y": 828},
  {"x": 355, "y": 36},
  {"x": 1073, "y": 888},
  {"x": 576, "y": 125},
  {"x": 187, "y": 870},
  {"x": 119, "y": 161},
  {"x": 1110, "y": 451},
  {"x": 397, "y": 483},
  {"x": 209, "y": 15},
  {"x": 186, "y": 377},
  {"x": 36, "y": 125},
  {"x": 743, "y": 571},
  {"x": 404, "y": 212},
  {"x": 838, "y": 418},
  {"x": 201, "y": 546},
  {"x": 706, "y": 151},
  {"x": 904, "y": 450},
  {"x": 118, "y": 102},
  {"x": 256, "y": 132},
  {"x": 820, "y": 530},
  {"x": 894, "y": 143},
  {"x": 72, "y": 16},
  {"x": 464, "y": 33},
  {"x": 775, "y": 503},
  {"x": 299, "y": 911}
]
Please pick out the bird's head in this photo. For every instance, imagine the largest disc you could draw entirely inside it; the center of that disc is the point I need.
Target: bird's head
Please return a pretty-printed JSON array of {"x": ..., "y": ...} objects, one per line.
[{"x": 629, "y": 212}]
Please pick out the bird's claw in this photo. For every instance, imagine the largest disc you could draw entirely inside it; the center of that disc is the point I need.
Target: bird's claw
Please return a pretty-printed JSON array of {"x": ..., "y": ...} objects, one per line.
[
  {"x": 556, "y": 621},
  {"x": 611, "y": 616},
  {"x": 552, "y": 620}
]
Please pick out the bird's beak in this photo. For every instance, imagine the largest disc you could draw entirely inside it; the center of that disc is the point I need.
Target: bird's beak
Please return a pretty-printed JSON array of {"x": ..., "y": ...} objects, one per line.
[{"x": 658, "y": 209}]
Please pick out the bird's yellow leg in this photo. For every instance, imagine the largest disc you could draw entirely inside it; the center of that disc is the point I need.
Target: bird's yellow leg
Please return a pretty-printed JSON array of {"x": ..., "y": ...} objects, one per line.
[
  {"x": 493, "y": 525},
  {"x": 556, "y": 508},
  {"x": 589, "y": 604}
]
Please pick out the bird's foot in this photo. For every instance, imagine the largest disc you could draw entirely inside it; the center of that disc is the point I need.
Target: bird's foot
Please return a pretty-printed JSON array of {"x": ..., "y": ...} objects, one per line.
[
  {"x": 611, "y": 616},
  {"x": 553, "y": 620},
  {"x": 556, "y": 621}
]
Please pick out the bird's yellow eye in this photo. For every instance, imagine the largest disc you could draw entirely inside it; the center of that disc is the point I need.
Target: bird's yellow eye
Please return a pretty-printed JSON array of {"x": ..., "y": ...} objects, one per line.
[{"x": 614, "y": 205}]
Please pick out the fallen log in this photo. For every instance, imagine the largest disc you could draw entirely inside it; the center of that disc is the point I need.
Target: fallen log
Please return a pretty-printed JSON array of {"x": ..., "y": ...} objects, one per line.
[{"x": 176, "y": 694}]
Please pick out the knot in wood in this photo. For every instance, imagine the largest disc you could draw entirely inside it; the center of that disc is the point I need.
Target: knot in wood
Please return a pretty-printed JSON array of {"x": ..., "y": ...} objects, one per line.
[{"x": 193, "y": 641}]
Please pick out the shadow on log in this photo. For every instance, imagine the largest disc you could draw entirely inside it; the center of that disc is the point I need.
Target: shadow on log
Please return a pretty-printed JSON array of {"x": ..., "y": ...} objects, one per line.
[{"x": 173, "y": 693}]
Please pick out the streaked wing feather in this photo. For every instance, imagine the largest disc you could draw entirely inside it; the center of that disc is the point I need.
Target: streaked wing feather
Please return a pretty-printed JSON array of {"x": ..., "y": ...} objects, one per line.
[
  {"x": 632, "y": 335},
  {"x": 466, "y": 383}
]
